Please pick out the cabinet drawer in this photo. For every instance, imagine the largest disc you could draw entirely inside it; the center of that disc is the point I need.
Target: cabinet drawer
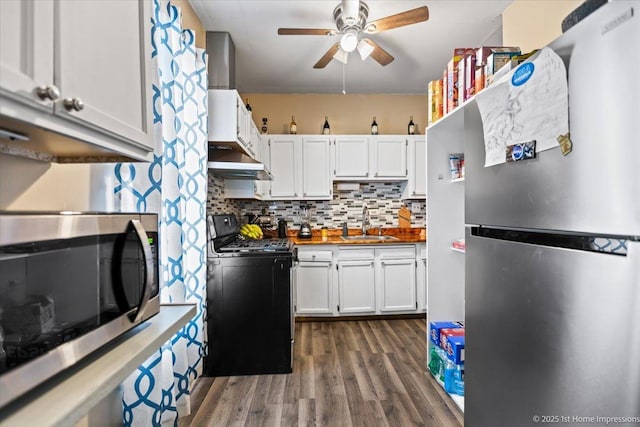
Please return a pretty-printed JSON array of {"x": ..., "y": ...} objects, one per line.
[
  {"x": 396, "y": 253},
  {"x": 317, "y": 256},
  {"x": 355, "y": 254}
]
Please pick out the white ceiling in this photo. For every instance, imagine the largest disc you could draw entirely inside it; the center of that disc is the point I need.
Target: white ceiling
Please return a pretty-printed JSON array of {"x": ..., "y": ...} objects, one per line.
[{"x": 269, "y": 63}]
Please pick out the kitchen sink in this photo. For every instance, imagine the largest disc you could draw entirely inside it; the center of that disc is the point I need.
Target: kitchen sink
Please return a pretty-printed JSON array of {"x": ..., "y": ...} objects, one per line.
[{"x": 369, "y": 238}]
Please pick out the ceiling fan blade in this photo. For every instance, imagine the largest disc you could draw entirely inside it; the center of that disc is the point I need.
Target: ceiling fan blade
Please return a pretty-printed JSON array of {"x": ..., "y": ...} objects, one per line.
[
  {"x": 327, "y": 57},
  {"x": 305, "y": 32},
  {"x": 409, "y": 17},
  {"x": 379, "y": 54}
]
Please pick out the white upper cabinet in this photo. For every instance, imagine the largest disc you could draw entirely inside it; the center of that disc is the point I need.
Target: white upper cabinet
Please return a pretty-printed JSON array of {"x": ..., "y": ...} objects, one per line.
[
  {"x": 417, "y": 164},
  {"x": 351, "y": 157},
  {"x": 370, "y": 158},
  {"x": 301, "y": 167},
  {"x": 389, "y": 158},
  {"x": 80, "y": 69},
  {"x": 26, "y": 52},
  {"x": 109, "y": 89},
  {"x": 316, "y": 167},
  {"x": 283, "y": 164},
  {"x": 229, "y": 120},
  {"x": 255, "y": 140}
]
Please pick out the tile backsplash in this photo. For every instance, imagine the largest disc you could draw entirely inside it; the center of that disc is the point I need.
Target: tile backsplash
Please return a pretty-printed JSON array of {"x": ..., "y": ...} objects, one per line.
[{"x": 381, "y": 198}]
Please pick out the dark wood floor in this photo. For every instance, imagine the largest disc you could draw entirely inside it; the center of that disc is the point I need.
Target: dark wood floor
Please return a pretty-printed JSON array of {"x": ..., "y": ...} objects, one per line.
[{"x": 347, "y": 373}]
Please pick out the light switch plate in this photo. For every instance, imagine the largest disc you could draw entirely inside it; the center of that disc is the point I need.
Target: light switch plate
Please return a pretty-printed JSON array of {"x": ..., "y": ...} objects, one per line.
[{"x": 415, "y": 207}]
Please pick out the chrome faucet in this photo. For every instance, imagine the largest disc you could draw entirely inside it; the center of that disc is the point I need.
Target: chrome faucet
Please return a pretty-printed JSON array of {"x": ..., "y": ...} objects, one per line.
[{"x": 366, "y": 223}]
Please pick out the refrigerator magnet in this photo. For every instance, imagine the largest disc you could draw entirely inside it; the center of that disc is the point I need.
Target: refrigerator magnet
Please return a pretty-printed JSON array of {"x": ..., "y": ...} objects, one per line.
[
  {"x": 566, "y": 146},
  {"x": 521, "y": 151}
]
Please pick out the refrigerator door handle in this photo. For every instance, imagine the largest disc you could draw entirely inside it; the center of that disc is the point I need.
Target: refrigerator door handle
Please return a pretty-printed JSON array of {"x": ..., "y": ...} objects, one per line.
[{"x": 607, "y": 245}]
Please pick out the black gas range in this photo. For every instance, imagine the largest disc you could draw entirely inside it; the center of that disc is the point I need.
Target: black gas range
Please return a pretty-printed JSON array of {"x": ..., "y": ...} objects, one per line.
[
  {"x": 249, "y": 302},
  {"x": 224, "y": 240}
]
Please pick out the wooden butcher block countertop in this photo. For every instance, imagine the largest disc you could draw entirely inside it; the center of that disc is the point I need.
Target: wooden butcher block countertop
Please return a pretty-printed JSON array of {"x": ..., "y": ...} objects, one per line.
[{"x": 402, "y": 235}]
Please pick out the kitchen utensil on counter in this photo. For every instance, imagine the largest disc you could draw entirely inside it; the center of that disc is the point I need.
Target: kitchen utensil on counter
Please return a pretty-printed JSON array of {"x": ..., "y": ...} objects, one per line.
[
  {"x": 404, "y": 217},
  {"x": 305, "y": 227},
  {"x": 305, "y": 230},
  {"x": 264, "y": 220},
  {"x": 282, "y": 228}
]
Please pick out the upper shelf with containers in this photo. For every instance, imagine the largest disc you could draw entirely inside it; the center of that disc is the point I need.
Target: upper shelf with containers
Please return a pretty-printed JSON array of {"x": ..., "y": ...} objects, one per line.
[{"x": 469, "y": 71}]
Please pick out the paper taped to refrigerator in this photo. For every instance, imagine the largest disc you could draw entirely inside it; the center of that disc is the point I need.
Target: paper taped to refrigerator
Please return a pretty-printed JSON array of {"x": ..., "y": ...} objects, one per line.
[{"x": 529, "y": 103}]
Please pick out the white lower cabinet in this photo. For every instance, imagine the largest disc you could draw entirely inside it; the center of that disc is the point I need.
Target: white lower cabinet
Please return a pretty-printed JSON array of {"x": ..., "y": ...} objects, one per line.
[
  {"x": 334, "y": 280},
  {"x": 396, "y": 276},
  {"x": 377, "y": 280},
  {"x": 313, "y": 278},
  {"x": 356, "y": 281}
]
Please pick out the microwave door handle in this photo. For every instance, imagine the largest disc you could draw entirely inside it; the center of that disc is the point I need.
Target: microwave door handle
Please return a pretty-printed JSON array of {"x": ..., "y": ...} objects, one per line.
[{"x": 148, "y": 269}]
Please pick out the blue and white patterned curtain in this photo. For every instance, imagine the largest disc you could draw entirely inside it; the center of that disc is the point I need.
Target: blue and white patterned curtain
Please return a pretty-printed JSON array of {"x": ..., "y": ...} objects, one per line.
[{"x": 175, "y": 186}]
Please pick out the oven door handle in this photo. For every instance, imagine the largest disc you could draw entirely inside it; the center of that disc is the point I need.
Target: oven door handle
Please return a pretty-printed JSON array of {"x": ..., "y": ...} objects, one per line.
[{"x": 141, "y": 233}]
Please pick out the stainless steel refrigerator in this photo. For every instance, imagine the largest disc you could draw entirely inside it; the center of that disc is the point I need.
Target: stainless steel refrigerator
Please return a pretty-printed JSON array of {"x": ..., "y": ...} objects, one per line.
[{"x": 552, "y": 291}]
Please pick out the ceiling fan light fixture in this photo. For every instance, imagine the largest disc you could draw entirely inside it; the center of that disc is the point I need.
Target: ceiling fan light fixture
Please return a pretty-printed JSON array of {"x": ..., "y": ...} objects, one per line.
[
  {"x": 364, "y": 49},
  {"x": 341, "y": 56},
  {"x": 349, "y": 40}
]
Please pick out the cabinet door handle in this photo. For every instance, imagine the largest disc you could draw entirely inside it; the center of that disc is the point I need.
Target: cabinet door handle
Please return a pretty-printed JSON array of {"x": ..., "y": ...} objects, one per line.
[
  {"x": 50, "y": 93},
  {"x": 73, "y": 104}
]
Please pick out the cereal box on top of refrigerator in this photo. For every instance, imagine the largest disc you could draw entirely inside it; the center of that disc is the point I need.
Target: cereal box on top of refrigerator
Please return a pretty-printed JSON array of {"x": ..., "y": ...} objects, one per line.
[{"x": 452, "y": 75}]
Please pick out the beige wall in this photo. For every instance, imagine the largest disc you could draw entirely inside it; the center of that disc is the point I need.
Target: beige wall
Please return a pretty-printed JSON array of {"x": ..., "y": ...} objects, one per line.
[
  {"x": 348, "y": 114},
  {"x": 533, "y": 24},
  {"x": 191, "y": 21}
]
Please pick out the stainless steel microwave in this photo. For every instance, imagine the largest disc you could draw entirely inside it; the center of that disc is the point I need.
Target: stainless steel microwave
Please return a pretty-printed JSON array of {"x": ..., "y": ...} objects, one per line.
[{"x": 69, "y": 283}]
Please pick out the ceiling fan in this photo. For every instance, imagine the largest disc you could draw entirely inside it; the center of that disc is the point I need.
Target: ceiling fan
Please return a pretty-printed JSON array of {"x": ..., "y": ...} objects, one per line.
[{"x": 351, "y": 21}]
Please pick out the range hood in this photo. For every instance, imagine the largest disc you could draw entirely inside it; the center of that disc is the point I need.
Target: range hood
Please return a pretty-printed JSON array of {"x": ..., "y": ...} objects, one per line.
[{"x": 228, "y": 163}]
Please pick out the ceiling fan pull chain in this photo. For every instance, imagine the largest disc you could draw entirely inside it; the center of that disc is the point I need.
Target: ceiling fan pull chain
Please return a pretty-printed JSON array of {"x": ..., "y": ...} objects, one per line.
[{"x": 344, "y": 67}]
